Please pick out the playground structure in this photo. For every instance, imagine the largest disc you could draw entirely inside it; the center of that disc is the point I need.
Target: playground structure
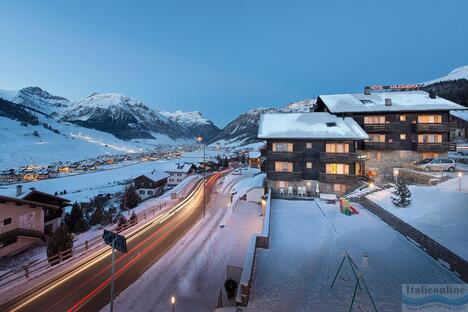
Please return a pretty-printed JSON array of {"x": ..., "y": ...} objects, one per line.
[
  {"x": 360, "y": 283},
  {"x": 346, "y": 208}
]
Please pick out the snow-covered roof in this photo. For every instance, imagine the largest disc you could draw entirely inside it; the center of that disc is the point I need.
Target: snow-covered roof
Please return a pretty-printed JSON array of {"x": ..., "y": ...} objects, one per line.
[
  {"x": 182, "y": 168},
  {"x": 156, "y": 175},
  {"x": 461, "y": 114},
  {"x": 309, "y": 126},
  {"x": 375, "y": 102}
]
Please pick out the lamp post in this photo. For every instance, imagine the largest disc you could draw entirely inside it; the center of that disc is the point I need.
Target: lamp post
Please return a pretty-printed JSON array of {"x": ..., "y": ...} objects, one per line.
[
  {"x": 459, "y": 180},
  {"x": 200, "y": 139},
  {"x": 173, "y": 303}
]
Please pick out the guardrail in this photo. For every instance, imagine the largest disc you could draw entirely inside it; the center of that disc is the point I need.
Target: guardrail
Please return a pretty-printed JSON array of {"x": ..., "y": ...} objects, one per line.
[{"x": 256, "y": 241}]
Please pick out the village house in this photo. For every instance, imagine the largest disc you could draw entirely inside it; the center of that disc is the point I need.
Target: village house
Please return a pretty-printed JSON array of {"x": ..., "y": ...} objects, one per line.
[
  {"x": 311, "y": 153},
  {"x": 150, "y": 185},
  {"x": 459, "y": 133},
  {"x": 178, "y": 172},
  {"x": 403, "y": 126},
  {"x": 54, "y": 214},
  {"x": 21, "y": 224}
]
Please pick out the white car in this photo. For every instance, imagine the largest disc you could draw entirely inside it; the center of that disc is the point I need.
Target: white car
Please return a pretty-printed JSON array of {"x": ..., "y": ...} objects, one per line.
[
  {"x": 237, "y": 172},
  {"x": 438, "y": 164}
]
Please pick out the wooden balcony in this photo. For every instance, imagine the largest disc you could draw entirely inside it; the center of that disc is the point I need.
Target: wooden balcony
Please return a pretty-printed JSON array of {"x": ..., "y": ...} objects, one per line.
[
  {"x": 283, "y": 156},
  {"x": 12, "y": 236},
  {"x": 346, "y": 158},
  {"x": 339, "y": 178},
  {"x": 386, "y": 127},
  {"x": 433, "y": 147},
  {"x": 284, "y": 176},
  {"x": 433, "y": 127},
  {"x": 382, "y": 145}
]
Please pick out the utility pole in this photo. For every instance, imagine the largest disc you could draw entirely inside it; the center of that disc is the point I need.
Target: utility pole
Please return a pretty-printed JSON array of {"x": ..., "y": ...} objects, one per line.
[{"x": 200, "y": 139}]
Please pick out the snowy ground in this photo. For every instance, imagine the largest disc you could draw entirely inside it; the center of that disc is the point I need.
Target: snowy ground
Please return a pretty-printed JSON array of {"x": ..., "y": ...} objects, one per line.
[
  {"x": 440, "y": 212},
  {"x": 86, "y": 186},
  {"x": 195, "y": 268},
  {"x": 307, "y": 245}
]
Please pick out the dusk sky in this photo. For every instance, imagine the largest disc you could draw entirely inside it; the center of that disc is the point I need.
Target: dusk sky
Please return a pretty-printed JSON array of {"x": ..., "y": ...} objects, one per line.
[{"x": 225, "y": 57}]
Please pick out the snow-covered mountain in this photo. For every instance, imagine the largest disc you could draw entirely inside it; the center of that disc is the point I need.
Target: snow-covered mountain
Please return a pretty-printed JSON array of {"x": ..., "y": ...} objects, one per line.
[
  {"x": 453, "y": 86},
  {"x": 457, "y": 73},
  {"x": 195, "y": 123},
  {"x": 244, "y": 129},
  {"x": 37, "y": 100},
  {"x": 124, "y": 117}
]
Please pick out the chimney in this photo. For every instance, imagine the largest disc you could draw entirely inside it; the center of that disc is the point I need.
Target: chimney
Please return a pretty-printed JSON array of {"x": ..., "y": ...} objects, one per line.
[
  {"x": 19, "y": 190},
  {"x": 388, "y": 102},
  {"x": 366, "y": 90},
  {"x": 432, "y": 94}
]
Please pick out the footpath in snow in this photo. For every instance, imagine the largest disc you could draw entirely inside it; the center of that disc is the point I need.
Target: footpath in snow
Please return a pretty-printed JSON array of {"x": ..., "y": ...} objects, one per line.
[
  {"x": 307, "y": 245},
  {"x": 440, "y": 212},
  {"x": 194, "y": 270}
]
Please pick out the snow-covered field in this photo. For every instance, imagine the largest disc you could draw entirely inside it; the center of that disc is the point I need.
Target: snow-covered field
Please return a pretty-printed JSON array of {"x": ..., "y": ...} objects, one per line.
[
  {"x": 440, "y": 212},
  {"x": 307, "y": 245},
  {"x": 85, "y": 186},
  {"x": 195, "y": 268}
]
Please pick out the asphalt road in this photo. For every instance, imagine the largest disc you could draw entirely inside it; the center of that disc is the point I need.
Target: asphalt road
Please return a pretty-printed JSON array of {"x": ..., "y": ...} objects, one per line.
[{"x": 87, "y": 288}]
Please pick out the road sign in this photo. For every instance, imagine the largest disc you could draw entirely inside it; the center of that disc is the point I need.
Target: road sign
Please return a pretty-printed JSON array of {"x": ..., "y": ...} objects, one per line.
[{"x": 120, "y": 243}]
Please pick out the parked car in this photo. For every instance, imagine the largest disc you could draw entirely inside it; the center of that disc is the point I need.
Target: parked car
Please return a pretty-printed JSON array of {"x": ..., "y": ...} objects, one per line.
[
  {"x": 438, "y": 164},
  {"x": 424, "y": 161}
]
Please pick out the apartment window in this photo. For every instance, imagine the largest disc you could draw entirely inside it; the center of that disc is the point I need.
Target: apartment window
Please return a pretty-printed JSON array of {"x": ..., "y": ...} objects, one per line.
[
  {"x": 378, "y": 155},
  {"x": 430, "y": 119},
  {"x": 339, "y": 188},
  {"x": 430, "y": 138},
  {"x": 308, "y": 165},
  {"x": 282, "y": 166},
  {"x": 282, "y": 147},
  {"x": 374, "y": 137},
  {"x": 150, "y": 192},
  {"x": 402, "y": 117},
  {"x": 337, "y": 148},
  {"x": 374, "y": 119},
  {"x": 402, "y": 136},
  {"x": 309, "y": 145},
  {"x": 337, "y": 168},
  {"x": 142, "y": 192},
  {"x": 6, "y": 221},
  {"x": 282, "y": 184}
]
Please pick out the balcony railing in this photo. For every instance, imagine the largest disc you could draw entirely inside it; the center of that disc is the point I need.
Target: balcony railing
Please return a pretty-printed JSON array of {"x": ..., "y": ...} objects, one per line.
[
  {"x": 284, "y": 176},
  {"x": 338, "y": 178},
  {"x": 342, "y": 157},
  {"x": 433, "y": 147},
  {"x": 283, "y": 155},
  {"x": 11, "y": 236},
  {"x": 433, "y": 127},
  {"x": 382, "y": 145},
  {"x": 386, "y": 127}
]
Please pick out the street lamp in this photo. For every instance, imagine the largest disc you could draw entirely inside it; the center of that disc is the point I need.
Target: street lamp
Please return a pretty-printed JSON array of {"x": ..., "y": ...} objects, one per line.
[
  {"x": 200, "y": 139},
  {"x": 173, "y": 303},
  {"x": 395, "y": 173},
  {"x": 459, "y": 180}
]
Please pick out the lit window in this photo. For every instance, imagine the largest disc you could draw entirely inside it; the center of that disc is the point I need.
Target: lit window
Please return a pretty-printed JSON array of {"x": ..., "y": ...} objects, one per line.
[
  {"x": 378, "y": 155},
  {"x": 377, "y": 137},
  {"x": 337, "y": 168},
  {"x": 282, "y": 147},
  {"x": 282, "y": 184},
  {"x": 402, "y": 136},
  {"x": 309, "y": 145},
  {"x": 430, "y": 119},
  {"x": 337, "y": 148},
  {"x": 282, "y": 166},
  {"x": 374, "y": 119},
  {"x": 402, "y": 117},
  {"x": 308, "y": 165},
  {"x": 339, "y": 188}
]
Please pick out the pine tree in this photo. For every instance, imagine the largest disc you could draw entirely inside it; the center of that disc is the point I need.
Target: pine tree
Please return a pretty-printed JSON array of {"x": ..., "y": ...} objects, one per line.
[
  {"x": 61, "y": 241},
  {"x": 402, "y": 195},
  {"x": 98, "y": 214},
  {"x": 75, "y": 220},
  {"x": 130, "y": 199}
]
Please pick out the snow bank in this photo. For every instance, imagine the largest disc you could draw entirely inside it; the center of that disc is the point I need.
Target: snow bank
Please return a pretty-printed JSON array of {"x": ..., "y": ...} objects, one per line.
[{"x": 438, "y": 211}]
